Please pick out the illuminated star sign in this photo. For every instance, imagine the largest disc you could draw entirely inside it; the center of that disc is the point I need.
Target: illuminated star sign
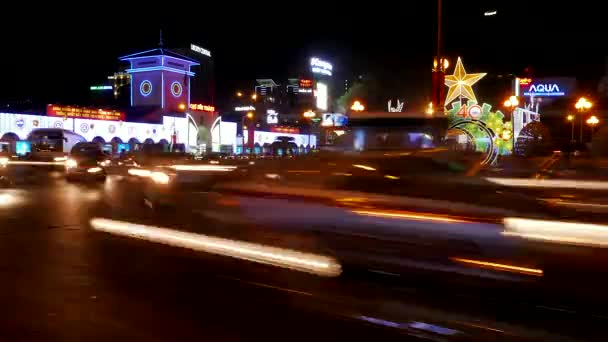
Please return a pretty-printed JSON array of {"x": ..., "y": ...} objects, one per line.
[{"x": 460, "y": 83}]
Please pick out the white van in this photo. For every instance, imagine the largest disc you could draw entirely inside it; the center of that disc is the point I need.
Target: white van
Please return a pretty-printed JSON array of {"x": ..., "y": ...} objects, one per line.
[{"x": 51, "y": 143}]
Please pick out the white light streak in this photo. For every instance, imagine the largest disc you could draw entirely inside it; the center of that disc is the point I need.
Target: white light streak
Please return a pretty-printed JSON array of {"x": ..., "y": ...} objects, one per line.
[
  {"x": 221, "y": 168},
  {"x": 489, "y": 13},
  {"x": 94, "y": 170},
  {"x": 160, "y": 177},
  {"x": 139, "y": 172},
  {"x": 281, "y": 257},
  {"x": 29, "y": 162},
  {"x": 549, "y": 183},
  {"x": 556, "y": 231}
]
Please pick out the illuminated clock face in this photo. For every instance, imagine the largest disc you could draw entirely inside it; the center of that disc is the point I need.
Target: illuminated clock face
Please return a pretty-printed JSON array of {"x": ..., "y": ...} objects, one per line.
[
  {"x": 145, "y": 88},
  {"x": 176, "y": 89}
]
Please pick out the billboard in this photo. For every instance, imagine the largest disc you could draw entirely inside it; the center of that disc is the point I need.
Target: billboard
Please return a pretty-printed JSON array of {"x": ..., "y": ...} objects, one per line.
[
  {"x": 322, "y": 96},
  {"x": 546, "y": 87},
  {"x": 83, "y": 113}
]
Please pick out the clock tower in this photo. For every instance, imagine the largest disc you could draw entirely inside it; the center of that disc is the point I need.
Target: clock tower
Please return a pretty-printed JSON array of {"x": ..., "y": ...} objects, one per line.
[{"x": 160, "y": 78}]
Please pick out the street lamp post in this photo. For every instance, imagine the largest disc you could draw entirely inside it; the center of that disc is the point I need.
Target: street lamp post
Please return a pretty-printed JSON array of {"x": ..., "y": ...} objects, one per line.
[
  {"x": 570, "y": 118},
  {"x": 592, "y": 121},
  {"x": 582, "y": 105}
]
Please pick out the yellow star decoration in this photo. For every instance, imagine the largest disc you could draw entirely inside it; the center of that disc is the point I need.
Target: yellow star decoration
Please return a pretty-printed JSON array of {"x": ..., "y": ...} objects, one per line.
[{"x": 460, "y": 83}]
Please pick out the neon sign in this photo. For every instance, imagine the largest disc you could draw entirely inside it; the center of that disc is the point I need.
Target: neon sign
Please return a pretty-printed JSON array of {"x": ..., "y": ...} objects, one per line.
[
  {"x": 84, "y": 113},
  {"x": 305, "y": 83},
  {"x": 244, "y": 108},
  {"x": 525, "y": 81},
  {"x": 202, "y": 107},
  {"x": 200, "y": 50},
  {"x": 320, "y": 66},
  {"x": 101, "y": 88},
  {"x": 548, "y": 89}
]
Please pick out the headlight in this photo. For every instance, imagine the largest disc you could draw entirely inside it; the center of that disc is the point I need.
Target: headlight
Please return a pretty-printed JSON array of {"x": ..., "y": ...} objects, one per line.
[
  {"x": 105, "y": 162},
  {"x": 70, "y": 163},
  {"x": 94, "y": 170},
  {"x": 160, "y": 177},
  {"x": 60, "y": 159},
  {"x": 3, "y": 161}
]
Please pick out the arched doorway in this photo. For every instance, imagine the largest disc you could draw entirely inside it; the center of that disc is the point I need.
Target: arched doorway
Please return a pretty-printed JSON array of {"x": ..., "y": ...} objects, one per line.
[
  {"x": 163, "y": 141},
  {"x": 99, "y": 140},
  {"x": 116, "y": 140},
  {"x": 149, "y": 141},
  {"x": 9, "y": 137}
]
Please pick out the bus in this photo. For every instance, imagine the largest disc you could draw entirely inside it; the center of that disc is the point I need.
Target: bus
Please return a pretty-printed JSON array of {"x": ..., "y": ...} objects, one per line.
[{"x": 51, "y": 143}]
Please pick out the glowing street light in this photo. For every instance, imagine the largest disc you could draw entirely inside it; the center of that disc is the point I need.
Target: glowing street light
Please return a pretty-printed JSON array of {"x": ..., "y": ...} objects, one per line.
[
  {"x": 254, "y": 97},
  {"x": 582, "y": 105},
  {"x": 309, "y": 114},
  {"x": 512, "y": 102},
  {"x": 357, "y": 106},
  {"x": 182, "y": 106},
  {"x": 592, "y": 121},
  {"x": 570, "y": 118},
  {"x": 239, "y": 94},
  {"x": 249, "y": 115},
  {"x": 429, "y": 108}
]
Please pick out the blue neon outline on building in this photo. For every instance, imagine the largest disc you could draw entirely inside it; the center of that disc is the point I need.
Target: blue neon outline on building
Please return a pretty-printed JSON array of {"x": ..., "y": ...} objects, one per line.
[
  {"x": 160, "y": 68},
  {"x": 179, "y": 85},
  {"x": 141, "y": 88}
]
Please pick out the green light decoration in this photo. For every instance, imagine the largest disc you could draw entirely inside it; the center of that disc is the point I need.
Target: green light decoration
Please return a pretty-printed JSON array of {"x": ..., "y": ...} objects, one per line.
[{"x": 502, "y": 140}]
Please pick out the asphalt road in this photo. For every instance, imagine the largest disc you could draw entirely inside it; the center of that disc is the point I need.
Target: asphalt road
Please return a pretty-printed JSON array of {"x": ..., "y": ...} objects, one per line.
[{"x": 62, "y": 280}]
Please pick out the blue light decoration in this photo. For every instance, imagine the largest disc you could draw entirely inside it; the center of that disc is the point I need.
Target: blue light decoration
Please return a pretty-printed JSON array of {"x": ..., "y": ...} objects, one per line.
[
  {"x": 549, "y": 89},
  {"x": 162, "y": 84},
  {"x": 161, "y": 68},
  {"x": 23, "y": 147},
  {"x": 176, "y": 89},
  {"x": 145, "y": 88}
]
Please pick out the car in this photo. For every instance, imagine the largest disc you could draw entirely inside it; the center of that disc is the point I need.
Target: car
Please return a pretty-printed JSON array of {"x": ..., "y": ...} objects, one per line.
[{"x": 86, "y": 162}]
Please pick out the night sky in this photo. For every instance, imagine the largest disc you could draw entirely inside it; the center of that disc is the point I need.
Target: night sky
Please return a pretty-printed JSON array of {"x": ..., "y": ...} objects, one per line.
[{"x": 55, "y": 57}]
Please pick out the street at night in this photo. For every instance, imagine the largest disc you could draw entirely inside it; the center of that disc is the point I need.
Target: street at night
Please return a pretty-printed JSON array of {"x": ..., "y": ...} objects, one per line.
[{"x": 423, "y": 171}]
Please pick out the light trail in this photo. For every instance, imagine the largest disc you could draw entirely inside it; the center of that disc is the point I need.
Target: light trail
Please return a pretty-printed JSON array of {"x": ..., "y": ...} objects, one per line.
[
  {"x": 407, "y": 215},
  {"x": 549, "y": 183},
  {"x": 32, "y": 162},
  {"x": 220, "y": 168},
  {"x": 281, "y": 257},
  {"x": 556, "y": 231},
  {"x": 500, "y": 267}
]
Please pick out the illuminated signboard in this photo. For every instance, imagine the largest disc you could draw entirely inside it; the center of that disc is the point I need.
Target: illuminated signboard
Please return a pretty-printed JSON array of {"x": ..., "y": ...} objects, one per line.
[
  {"x": 283, "y": 129},
  {"x": 321, "y": 94},
  {"x": 319, "y": 66},
  {"x": 202, "y": 107},
  {"x": 84, "y": 113},
  {"x": 305, "y": 83},
  {"x": 547, "y": 87},
  {"x": 525, "y": 81},
  {"x": 244, "y": 108},
  {"x": 272, "y": 117},
  {"x": 200, "y": 50},
  {"x": 101, "y": 88}
]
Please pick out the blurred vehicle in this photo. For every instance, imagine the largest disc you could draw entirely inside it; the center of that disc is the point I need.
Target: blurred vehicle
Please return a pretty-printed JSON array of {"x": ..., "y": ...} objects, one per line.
[
  {"x": 86, "y": 162},
  {"x": 51, "y": 143}
]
